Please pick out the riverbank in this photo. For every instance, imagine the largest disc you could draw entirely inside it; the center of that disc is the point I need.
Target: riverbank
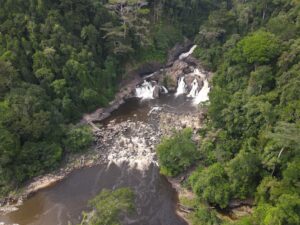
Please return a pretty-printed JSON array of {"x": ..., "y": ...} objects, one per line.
[
  {"x": 130, "y": 141},
  {"x": 93, "y": 156}
]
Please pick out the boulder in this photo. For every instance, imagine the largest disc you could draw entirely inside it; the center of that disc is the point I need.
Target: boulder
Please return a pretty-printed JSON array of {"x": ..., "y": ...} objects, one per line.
[
  {"x": 177, "y": 50},
  {"x": 188, "y": 70},
  {"x": 148, "y": 68},
  {"x": 173, "y": 73},
  {"x": 189, "y": 80},
  {"x": 156, "y": 92},
  {"x": 192, "y": 61}
]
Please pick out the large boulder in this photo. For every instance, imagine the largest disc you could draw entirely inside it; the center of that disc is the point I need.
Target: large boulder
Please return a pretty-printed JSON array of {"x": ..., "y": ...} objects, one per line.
[
  {"x": 177, "y": 50},
  {"x": 192, "y": 61},
  {"x": 156, "y": 92},
  {"x": 148, "y": 68},
  {"x": 189, "y": 80},
  {"x": 188, "y": 70},
  {"x": 173, "y": 73}
]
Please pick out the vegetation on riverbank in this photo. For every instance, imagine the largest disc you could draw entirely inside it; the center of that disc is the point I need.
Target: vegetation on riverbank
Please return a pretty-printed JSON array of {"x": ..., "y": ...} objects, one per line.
[
  {"x": 59, "y": 59},
  {"x": 109, "y": 206},
  {"x": 250, "y": 145},
  {"x": 177, "y": 153}
]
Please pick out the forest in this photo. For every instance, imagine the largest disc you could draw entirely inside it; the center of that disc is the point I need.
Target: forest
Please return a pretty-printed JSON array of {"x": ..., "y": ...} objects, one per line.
[
  {"x": 62, "y": 58},
  {"x": 250, "y": 143},
  {"x": 58, "y": 60}
]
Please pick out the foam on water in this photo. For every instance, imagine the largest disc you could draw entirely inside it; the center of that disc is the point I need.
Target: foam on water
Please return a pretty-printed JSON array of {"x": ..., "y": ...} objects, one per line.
[
  {"x": 202, "y": 96},
  {"x": 181, "y": 87},
  {"x": 186, "y": 54},
  {"x": 145, "y": 91},
  {"x": 194, "y": 91}
]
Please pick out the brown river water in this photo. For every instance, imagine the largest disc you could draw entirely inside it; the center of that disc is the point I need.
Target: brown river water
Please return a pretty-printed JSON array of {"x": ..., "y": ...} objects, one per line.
[{"x": 63, "y": 202}]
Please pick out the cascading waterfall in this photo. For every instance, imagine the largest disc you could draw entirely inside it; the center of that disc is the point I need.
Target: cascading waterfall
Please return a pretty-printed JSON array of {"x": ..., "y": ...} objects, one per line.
[
  {"x": 194, "y": 91},
  {"x": 198, "y": 73},
  {"x": 181, "y": 87},
  {"x": 202, "y": 96},
  {"x": 164, "y": 89},
  {"x": 150, "y": 75},
  {"x": 145, "y": 91},
  {"x": 186, "y": 54}
]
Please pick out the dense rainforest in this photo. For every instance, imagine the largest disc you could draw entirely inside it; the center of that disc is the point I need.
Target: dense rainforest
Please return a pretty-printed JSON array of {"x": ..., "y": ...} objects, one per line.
[
  {"x": 61, "y": 58},
  {"x": 250, "y": 144}
]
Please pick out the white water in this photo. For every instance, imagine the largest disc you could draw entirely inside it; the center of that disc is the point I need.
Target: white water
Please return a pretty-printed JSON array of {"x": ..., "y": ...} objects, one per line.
[
  {"x": 154, "y": 109},
  {"x": 145, "y": 91},
  {"x": 138, "y": 155},
  {"x": 198, "y": 73},
  {"x": 186, "y": 54},
  {"x": 181, "y": 87},
  {"x": 134, "y": 144},
  {"x": 164, "y": 89},
  {"x": 194, "y": 91},
  {"x": 150, "y": 75},
  {"x": 202, "y": 96}
]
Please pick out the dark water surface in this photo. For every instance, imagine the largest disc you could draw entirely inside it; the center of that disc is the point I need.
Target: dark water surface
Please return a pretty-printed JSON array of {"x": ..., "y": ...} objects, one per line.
[
  {"x": 137, "y": 110},
  {"x": 64, "y": 202}
]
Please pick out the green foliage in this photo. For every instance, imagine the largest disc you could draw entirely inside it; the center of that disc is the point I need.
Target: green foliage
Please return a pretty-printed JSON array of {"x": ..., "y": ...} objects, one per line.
[
  {"x": 36, "y": 158},
  {"x": 211, "y": 184},
  {"x": 259, "y": 47},
  {"x": 261, "y": 80},
  {"x": 286, "y": 211},
  {"x": 108, "y": 206},
  {"x": 177, "y": 153},
  {"x": 166, "y": 36},
  {"x": 60, "y": 59},
  {"x": 253, "y": 131},
  {"x": 203, "y": 215},
  {"x": 243, "y": 172},
  {"x": 242, "y": 221},
  {"x": 282, "y": 27},
  {"x": 78, "y": 139}
]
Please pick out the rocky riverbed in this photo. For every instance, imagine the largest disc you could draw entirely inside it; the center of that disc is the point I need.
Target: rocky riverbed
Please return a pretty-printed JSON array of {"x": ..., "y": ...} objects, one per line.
[{"x": 131, "y": 141}]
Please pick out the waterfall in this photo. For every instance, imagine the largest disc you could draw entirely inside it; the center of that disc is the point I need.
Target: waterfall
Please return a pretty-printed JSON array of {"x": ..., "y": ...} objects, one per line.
[
  {"x": 150, "y": 75},
  {"x": 194, "y": 91},
  {"x": 181, "y": 87},
  {"x": 164, "y": 89},
  {"x": 154, "y": 109},
  {"x": 198, "y": 73},
  {"x": 145, "y": 91},
  {"x": 202, "y": 96},
  {"x": 186, "y": 54}
]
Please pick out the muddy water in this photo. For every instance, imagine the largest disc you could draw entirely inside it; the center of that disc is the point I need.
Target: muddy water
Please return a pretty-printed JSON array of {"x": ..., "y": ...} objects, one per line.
[{"x": 64, "y": 202}]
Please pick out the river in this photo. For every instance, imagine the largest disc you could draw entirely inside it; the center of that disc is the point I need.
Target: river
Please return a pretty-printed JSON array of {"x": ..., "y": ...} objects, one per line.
[{"x": 155, "y": 198}]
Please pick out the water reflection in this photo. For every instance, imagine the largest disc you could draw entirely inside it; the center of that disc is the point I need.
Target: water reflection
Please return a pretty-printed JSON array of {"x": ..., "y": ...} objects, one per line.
[{"x": 155, "y": 198}]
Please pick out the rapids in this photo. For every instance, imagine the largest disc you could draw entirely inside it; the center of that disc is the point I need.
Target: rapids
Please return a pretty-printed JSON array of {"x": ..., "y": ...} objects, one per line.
[
  {"x": 126, "y": 142},
  {"x": 145, "y": 91},
  {"x": 135, "y": 168}
]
